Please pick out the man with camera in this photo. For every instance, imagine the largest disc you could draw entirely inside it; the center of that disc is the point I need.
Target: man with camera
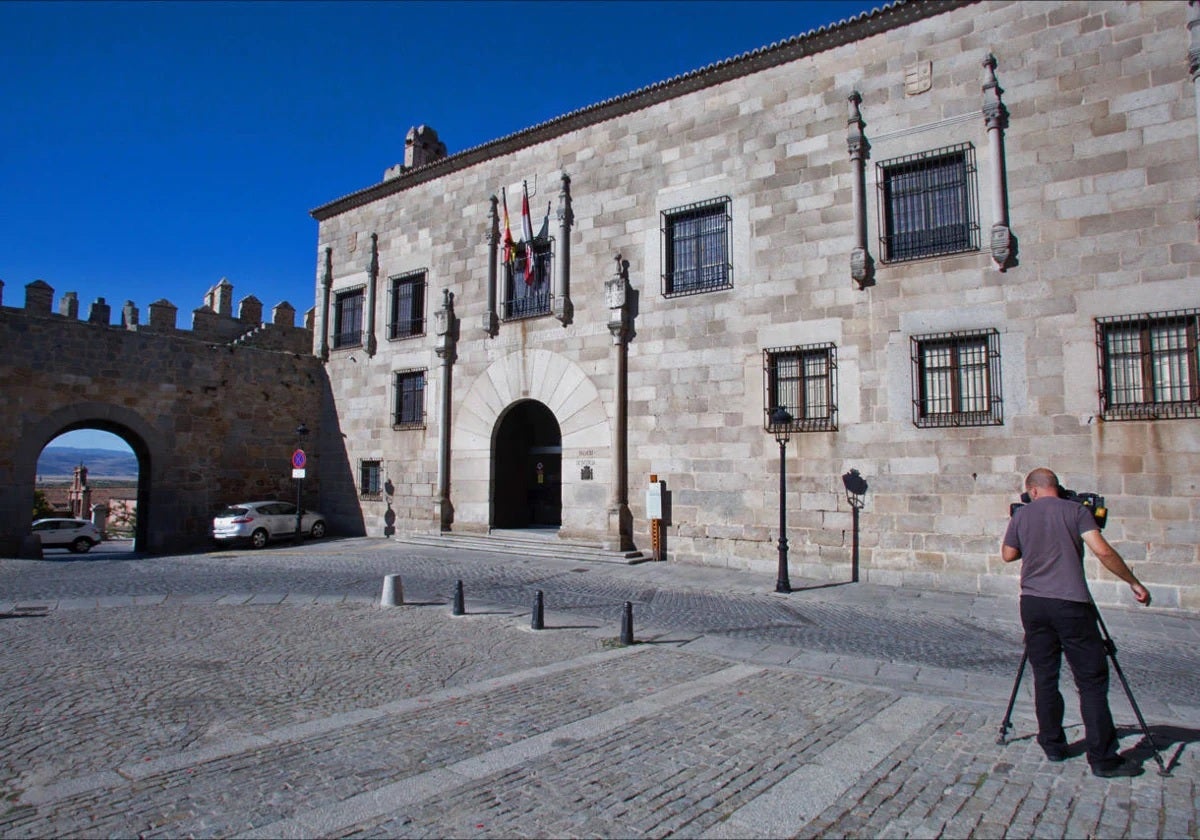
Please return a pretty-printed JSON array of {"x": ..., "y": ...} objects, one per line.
[{"x": 1048, "y": 535}]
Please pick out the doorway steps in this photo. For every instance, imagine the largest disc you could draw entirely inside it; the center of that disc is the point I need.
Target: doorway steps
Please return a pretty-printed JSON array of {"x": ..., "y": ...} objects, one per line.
[{"x": 527, "y": 542}]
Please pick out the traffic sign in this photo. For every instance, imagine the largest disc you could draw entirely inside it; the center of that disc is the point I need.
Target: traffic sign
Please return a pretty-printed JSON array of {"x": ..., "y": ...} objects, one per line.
[{"x": 299, "y": 459}]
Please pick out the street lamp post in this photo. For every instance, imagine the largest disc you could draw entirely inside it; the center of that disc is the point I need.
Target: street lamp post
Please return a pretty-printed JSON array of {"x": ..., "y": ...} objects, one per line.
[
  {"x": 301, "y": 432},
  {"x": 856, "y": 488},
  {"x": 781, "y": 426}
]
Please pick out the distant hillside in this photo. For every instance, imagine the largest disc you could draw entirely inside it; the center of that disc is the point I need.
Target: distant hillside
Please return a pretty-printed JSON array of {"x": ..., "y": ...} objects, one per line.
[{"x": 61, "y": 461}]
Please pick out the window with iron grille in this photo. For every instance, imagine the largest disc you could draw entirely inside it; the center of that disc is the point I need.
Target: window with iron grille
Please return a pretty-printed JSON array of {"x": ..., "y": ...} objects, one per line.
[
  {"x": 407, "y": 311},
  {"x": 348, "y": 318},
  {"x": 956, "y": 379},
  {"x": 409, "y": 406},
  {"x": 527, "y": 280},
  {"x": 1149, "y": 365},
  {"x": 928, "y": 204},
  {"x": 370, "y": 481},
  {"x": 802, "y": 380},
  {"x": 695, "y": 250}
]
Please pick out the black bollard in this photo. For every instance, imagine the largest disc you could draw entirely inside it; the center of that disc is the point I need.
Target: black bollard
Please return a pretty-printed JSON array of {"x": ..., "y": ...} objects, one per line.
[
  {"x": 627, "y": 624},
  {"x": 458, "y": 608},
  {"x": 536, "y": 622}
]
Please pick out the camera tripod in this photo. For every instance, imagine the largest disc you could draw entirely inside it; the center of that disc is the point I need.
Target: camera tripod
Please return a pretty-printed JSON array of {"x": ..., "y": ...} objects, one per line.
[{"x": 1110, "y": 648}]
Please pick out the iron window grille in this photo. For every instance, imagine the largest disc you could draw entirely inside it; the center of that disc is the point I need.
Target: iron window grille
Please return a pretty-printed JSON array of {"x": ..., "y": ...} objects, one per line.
[
  {"x": 408, "y": 408},
  {"x": 528, "y": 297},
  {"x": 695, "y": 248},
  {"x": 407, "y": 306},
  {"x": 956, "y": 379},
  {"x": 928, "y": 204},
  {"x": 348, "y": 318},
  {"x": 1149, "y": 365},
  {"x": 370, "y": 483},
  {"x": 803, "y": 380}
]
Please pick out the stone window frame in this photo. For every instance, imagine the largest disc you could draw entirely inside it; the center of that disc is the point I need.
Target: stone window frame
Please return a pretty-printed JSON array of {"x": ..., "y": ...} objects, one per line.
[
  {"x": 538, "y": 302},
  {"x": 711, "y": 276},
  {"x": 417, "y": 279},
  {"x": 341, "y": 338},
  {"x": 370, "y": 478},
  {"x": 811, "y": 398},
  {"x": 923, "y": 201},
  {"x": 956, "y": 379},
  {"x": 408, "y": 413},
  {"x": 1161, "y": 353}
]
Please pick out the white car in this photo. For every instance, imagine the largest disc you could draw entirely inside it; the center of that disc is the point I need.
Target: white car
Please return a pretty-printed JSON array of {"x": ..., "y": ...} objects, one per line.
[
  {"x": 78, "y": 535},
  {"x": 260, "y": 522}
]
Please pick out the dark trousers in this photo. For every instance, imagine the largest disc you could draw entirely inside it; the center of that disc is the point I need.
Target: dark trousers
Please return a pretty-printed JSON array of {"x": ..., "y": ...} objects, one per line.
[{"x": 1053, "y": 628}]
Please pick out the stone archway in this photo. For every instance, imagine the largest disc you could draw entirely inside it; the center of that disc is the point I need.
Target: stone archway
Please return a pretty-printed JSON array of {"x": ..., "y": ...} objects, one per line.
[
  {"x": 527, "y": 468},
  {"x": 123, "y": 423},
  {"x": 568, "y": 394}
]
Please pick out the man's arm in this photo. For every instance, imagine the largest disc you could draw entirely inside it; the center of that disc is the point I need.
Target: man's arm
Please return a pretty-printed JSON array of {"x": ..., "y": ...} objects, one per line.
[
  {"x": 1009, "y": 554},
  {"x": 1111, "y": 560}
]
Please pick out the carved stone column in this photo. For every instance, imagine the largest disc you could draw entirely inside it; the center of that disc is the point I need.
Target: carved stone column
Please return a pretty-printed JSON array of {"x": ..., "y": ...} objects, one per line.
[
  {"x": 489, "y": 323},
  {"x": 323, "y": 307},
  {"x": 561, "y": 292},
  {"x": 446, "y": 329},
  {"x": 1193, "y": 26},
  {"x": 995, "y": 117},
  {"x": 862, "y": 267},
  {"x": 372, "y": 282},
  {"x": 616, "y": 296}
]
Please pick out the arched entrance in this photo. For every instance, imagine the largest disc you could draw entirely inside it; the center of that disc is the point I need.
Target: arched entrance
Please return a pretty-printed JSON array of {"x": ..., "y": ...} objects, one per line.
[{"x": 527, "y": 468}]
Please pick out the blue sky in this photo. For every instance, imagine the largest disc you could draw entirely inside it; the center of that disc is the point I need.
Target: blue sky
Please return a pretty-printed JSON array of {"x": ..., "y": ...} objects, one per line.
[{"x": 153, "y": 148}]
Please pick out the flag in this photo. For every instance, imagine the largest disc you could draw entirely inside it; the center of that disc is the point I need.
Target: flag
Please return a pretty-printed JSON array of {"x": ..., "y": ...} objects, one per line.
[
  {"x": 508, "y": 240},
  {"x": 527, "y": 232}
]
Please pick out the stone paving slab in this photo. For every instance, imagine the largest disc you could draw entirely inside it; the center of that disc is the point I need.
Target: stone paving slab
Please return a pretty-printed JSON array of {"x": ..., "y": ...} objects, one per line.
[{"x": 302, "y": 720}]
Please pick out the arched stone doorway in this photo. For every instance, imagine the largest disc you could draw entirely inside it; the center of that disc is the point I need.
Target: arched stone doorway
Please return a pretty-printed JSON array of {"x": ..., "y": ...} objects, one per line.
[{"x": 527, "y": 468}]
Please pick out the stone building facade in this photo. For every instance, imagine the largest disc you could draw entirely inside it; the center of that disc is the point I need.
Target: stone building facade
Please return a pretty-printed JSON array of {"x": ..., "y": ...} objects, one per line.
[
  {"x": 209, "y": 412},
  {"x": 955, "y": 241}
]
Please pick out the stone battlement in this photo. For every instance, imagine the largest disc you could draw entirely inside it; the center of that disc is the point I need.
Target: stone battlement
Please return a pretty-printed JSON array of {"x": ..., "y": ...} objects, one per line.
[{"x": 213, "y": 322}]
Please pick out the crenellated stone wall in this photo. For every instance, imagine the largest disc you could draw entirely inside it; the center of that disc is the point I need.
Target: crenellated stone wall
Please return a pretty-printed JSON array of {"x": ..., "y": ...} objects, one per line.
[{"x": 210, "y": 412}]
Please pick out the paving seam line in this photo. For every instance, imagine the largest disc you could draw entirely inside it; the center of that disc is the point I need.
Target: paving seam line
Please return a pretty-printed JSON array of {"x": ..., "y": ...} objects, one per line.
[
  {"x": 234, "y": 746},
  {"x": 335, "y": 819}
]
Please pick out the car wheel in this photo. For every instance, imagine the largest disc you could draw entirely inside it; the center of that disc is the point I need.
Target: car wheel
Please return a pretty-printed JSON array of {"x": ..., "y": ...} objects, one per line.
[
  {"x": 259, "y": 538},
  {"x": 318, "y": 530},
  {"x": 81, "y": 545}
]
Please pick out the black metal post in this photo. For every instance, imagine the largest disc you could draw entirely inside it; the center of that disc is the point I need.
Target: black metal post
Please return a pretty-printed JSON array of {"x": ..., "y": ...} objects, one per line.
[
  {"x": 537, "y": 621},
  {"x": 301, "y": 431},
  {"x": 627, "y": 624},
  {"x": 782, "y": 581},
  {"x": 854, "y": 549},
  {"x": 458, "y": 608}
]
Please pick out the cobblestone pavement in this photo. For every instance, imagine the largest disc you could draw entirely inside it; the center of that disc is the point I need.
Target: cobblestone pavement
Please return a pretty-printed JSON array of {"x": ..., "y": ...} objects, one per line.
[{"x": 267, "y": 694}]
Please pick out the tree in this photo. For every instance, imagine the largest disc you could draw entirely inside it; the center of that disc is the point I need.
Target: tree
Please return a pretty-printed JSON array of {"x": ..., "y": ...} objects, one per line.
[{"x": 41, "y": 507}]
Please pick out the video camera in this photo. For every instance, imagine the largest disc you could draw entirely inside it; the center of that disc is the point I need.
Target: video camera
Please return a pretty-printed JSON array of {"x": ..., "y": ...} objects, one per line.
[{"x": 1094, "y": 502}]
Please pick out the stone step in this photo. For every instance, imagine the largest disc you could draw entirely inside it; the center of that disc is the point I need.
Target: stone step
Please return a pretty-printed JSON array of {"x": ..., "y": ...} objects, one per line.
[{"x": 527, "y": 543}]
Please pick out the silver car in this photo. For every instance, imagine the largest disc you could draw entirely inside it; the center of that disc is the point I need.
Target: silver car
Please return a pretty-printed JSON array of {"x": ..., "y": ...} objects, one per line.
[
  {"x": 260, "y": 522},
  {"x": 78, "y": 535}
]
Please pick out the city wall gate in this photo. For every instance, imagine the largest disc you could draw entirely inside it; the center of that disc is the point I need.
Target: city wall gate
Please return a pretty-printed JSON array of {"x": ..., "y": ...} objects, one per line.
[{"x": 210, "y": 413}]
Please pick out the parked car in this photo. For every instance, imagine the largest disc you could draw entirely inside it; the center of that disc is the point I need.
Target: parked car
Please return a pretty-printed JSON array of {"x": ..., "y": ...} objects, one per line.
[
  {"x": 78, "y": 535},
  {"x": 260, "y": 522}
]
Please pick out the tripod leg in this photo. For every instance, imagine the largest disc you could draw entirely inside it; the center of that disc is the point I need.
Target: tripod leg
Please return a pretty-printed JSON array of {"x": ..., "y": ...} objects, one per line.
[
  {"x": 1110, "y": 647},
  {"x": 1012, "y": 700}
]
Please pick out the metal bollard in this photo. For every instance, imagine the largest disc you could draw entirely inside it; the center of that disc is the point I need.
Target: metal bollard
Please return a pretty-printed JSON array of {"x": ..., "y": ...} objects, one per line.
[
  {"x": 536, "y": 622},
  {"x": 627, "y": 624},
  {"x": 458, "y": 608},
  {"x": 393, "y": 591}
]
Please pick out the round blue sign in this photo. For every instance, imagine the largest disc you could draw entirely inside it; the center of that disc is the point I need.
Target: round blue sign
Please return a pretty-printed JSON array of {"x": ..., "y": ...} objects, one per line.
[{"x": 299, "y": 459}]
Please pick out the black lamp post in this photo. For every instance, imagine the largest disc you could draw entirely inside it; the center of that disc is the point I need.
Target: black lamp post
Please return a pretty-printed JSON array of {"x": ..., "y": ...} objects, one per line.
[
  {"x": 301, "y": 432},
  {"x": 856, "y": 488},
  {"x": 781, "y": 426}
]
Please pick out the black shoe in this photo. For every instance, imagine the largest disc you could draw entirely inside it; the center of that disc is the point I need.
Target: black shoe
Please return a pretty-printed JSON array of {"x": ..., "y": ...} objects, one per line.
[
  {"x": 1055, "y": 755},
  {"x": 1126, "y": 768}
]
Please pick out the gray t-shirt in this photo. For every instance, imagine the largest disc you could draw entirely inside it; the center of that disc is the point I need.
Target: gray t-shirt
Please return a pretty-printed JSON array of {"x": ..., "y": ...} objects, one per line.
[{"x": 1049, "y": 534}]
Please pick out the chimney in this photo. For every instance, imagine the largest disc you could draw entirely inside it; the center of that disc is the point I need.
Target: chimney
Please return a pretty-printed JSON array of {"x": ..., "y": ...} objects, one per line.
[{"x": 422, "y": 147}]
